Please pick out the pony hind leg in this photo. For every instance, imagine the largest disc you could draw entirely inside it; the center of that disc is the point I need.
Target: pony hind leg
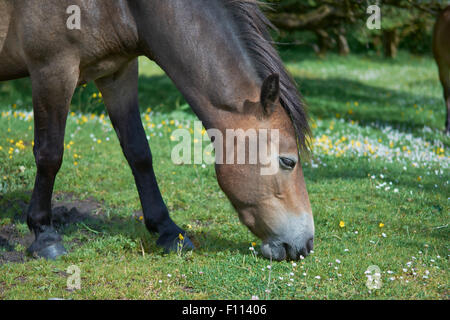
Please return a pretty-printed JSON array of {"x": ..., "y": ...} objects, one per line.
[
  {"x": 444, "y": 76},
  {"x": 53, "y": 86},
  {"x": 447, "y": 102},
  {"x": 120, "y": 93}
]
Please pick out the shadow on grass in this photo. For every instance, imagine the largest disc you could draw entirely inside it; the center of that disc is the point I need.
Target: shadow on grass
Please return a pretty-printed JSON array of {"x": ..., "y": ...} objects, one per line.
[
  {"x": 83, "y": 221},
  {"x": 156, "y": 92},
  {"x": 354, "y": 171},
  {"x": 326, "y": 98}
]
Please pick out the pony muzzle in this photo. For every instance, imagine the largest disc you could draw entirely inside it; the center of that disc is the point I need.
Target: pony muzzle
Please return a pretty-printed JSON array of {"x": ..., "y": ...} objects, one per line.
[{"x": 294, "y": 241}]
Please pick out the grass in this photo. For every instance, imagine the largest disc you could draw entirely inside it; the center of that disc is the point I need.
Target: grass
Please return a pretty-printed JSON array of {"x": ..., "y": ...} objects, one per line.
[{"x": 378, "y": 184}]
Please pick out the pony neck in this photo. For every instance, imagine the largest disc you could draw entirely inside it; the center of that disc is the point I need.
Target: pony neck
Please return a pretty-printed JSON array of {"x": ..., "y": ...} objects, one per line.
[{"x": 197, "y": 44}]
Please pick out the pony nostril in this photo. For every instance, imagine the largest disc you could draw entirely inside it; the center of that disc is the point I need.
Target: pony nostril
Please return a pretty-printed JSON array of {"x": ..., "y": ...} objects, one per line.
[{"x": 310, "y": 245}]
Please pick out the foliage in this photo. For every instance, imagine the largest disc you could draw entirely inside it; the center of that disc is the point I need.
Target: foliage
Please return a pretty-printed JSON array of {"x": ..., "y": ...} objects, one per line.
[{"x": 407, "y": 23}]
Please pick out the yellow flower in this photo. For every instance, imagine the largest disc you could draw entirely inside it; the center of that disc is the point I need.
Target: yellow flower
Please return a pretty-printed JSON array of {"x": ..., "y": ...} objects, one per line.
[
  {"x": 189, "y": 226},
  {"x": 419, "y": 178},
  {"x": 341, "y": 224},
  {"x": 253, "y": 244},
  {"x": 75, "y": 163},
  {"x": 381, "y": 225},
  {"x": 141, "y": 218},
  {"x": 180, "y": 236}
]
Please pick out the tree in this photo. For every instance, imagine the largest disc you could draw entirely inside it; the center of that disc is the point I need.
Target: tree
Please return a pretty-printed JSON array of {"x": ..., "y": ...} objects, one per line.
[{"x": 330, "y": 20}]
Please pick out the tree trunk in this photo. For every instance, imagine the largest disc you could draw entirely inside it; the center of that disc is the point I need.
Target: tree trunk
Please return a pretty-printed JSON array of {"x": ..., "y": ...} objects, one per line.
[
  {"x": 324, "y": 41},
  {"x": 390, "y": 43},
  {"x": 343, "y": 47}
]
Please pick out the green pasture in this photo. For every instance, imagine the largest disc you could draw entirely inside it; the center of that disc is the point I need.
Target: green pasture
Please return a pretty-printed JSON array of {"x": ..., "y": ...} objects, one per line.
[{"x": 378, "y": 181}]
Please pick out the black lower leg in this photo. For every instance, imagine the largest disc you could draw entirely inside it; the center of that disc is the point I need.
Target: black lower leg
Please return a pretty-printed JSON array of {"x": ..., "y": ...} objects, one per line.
[
  {"x": 120, "y": 93},
  {"x": 447, "y": 101},
  {"x": 47, "y": 242},
  {"x": 156, "y": 215}
]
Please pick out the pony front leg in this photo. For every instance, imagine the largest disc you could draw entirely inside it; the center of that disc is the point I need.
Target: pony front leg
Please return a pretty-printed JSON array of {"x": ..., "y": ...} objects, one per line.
[
  {"x": 53, "y": 86},
  {"x": 120, "y": 93}
]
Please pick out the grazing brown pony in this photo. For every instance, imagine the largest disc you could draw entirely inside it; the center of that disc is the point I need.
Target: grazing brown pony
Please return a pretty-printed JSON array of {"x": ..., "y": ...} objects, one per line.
[
  {"x": 441, "y": 50},
  {"x": 219, "y": 55}
]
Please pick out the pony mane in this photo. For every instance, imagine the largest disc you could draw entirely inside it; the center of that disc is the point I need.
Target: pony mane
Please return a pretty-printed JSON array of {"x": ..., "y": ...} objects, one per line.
[{"x": 254, "y": 29}]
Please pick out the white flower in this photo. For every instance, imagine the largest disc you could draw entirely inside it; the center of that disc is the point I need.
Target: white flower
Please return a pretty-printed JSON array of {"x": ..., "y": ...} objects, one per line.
[
  {"x": 317, "y": 277},
  {"x": 338, "y": 261}
]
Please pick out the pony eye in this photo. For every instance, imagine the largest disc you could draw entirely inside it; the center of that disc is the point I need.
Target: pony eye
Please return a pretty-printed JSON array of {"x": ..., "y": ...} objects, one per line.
[{"x": 287, "y": 163}]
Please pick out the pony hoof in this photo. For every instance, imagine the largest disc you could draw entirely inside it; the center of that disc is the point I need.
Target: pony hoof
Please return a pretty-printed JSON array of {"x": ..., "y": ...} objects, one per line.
[
  {"x": 170, "y": 243},
  {"x": 51, "y": 252},
  {"x": 48, "y": 244}
]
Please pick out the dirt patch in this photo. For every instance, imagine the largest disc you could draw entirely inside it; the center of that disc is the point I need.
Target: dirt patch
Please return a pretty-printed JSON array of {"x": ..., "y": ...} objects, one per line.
[{"x": 67, "y": 210}]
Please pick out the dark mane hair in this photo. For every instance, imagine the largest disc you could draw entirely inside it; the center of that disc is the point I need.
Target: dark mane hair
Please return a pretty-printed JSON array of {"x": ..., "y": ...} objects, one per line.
[{"x": 254, "y": 32}]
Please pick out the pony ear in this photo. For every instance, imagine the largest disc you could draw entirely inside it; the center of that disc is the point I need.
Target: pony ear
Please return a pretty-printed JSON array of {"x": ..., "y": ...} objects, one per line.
[{"x": 270, "y": 93}]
